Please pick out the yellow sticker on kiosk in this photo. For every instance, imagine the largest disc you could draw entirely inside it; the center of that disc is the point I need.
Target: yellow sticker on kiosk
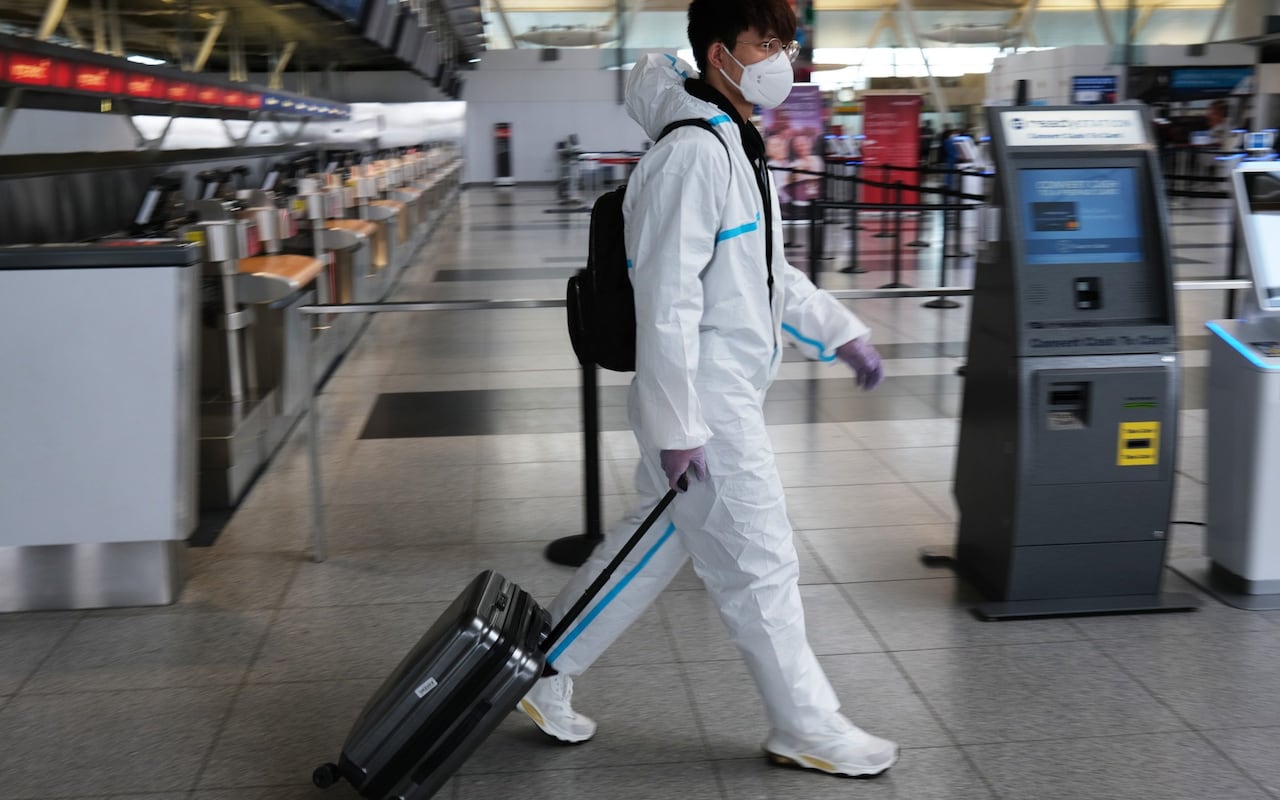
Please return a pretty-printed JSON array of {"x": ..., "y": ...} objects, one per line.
[{"x": 1139, "y": 444}]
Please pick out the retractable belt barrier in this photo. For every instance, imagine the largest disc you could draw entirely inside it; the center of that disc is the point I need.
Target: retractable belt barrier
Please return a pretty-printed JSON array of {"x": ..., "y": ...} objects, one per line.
[{"x": 318, "y": 535}]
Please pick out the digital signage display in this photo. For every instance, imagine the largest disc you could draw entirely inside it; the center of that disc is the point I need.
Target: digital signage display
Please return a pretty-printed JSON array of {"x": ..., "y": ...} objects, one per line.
[
  {"x": 1081, "y": 215},
  {"x": 1087, "y": 90}
]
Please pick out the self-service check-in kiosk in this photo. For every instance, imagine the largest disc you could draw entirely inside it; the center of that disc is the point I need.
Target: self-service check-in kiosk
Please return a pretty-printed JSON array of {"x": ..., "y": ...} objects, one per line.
[
  {"x": 1243, "y": 525},
  {"x": 1065, "y": 466}
]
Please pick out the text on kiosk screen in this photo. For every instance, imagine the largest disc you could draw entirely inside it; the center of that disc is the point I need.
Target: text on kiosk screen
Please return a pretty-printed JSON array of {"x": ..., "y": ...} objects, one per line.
[{"x": 1081, "y": 216}]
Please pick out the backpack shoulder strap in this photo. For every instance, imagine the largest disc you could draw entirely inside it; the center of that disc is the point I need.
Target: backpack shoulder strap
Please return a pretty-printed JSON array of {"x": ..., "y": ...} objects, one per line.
[{"x": 696, "y": 122}]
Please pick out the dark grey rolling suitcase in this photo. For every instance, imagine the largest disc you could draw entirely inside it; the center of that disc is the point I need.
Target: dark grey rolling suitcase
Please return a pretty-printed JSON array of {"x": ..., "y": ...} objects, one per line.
[{"x": 460, "y": 680}]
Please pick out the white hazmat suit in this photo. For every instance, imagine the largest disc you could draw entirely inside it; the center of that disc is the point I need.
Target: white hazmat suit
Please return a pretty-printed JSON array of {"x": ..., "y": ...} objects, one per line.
[{"x": 708, "y": 344}]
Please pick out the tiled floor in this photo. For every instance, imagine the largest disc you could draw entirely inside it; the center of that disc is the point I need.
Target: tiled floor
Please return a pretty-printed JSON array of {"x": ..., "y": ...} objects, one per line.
[{"x": 239, "y": 690}]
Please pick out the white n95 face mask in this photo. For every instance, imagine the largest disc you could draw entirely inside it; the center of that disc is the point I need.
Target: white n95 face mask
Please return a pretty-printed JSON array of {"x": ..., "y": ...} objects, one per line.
[{"x": 765, "y": 83}]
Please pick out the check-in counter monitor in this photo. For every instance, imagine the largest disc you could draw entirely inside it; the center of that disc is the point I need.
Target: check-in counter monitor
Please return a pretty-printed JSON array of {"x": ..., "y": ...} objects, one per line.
[
  {"x": 1064, "y": 473},
  {"x": 1243, "y": 536}
]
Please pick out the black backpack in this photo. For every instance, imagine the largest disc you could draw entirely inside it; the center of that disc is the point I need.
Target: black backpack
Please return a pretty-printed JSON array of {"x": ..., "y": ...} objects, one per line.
[{"x": 600, "y": 302}]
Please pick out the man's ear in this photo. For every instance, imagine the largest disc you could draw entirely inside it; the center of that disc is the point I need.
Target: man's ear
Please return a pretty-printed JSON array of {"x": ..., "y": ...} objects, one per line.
[{"x": 715, "y": 56}]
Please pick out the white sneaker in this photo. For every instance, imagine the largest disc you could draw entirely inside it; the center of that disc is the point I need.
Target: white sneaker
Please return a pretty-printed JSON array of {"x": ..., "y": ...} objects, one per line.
[
  {"x": 547, "y": 704},
  {"x": 846, "y": 750}
]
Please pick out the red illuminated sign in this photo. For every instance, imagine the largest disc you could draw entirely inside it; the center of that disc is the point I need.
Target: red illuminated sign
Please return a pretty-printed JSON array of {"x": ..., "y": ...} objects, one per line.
[
  {"x": 209, "y": 95},
  {"x": 144, "y": 86},
  {"x": 30, "y": 70},
  {"x": 180, "y": 92},
  {"x": 63, "y": 73},
  {"x": 96, "y": 77},
  {"x": 97, "y": 80}
]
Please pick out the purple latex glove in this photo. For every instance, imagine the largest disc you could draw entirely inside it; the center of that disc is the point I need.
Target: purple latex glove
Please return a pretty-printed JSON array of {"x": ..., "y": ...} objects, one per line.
[
  {"x": 676, "y": 463},
  {"x": 865, "y": 361}
]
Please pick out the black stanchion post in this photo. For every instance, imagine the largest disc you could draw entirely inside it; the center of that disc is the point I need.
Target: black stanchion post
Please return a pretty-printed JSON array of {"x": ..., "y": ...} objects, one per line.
[
  {"x": 815, "y": 240},
  {"x": 884, "y": 216},
  {"x": 942, "y": 302},
  {"x": 853, "y": 268},
  {"x": 573, "y": 551},
  {"x": 919, "y": 241},
  {"x": 897, "y": 243},
  {"x": 950, "y": 219},
  {"x": 960, "y": 251},
  {"x": 946, "y": 233}
]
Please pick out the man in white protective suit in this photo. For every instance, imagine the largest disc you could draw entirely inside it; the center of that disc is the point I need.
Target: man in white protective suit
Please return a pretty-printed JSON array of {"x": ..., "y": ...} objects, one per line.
[{"x": 715, "y": 300}]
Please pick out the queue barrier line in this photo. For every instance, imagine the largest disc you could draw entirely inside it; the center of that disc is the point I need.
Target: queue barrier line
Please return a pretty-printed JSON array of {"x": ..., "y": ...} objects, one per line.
[{"x": 319, "y": 551}]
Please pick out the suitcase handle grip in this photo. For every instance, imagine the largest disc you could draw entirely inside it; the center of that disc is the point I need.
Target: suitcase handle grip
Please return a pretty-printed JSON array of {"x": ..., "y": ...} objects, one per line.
[{"x": 607, "y": 573}]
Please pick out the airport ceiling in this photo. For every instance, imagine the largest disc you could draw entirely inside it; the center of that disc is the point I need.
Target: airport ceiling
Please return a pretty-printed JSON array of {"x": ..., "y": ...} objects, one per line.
[
  {"x": 609, "y": 6},
  {"x": 174, "y": 29}
]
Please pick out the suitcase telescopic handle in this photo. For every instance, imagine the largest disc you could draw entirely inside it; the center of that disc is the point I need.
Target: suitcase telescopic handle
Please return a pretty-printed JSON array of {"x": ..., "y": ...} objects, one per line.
[{"x": 603, "y": 578}]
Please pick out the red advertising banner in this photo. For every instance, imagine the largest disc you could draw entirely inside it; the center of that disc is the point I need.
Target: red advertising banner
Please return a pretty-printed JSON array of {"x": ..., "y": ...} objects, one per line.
[{"x": 891, "y": 127}]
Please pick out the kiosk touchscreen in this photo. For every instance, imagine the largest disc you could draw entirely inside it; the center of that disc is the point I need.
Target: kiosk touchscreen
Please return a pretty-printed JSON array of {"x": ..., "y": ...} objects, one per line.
[
  {"x": 1256, "y": 188},
  {"x": 1259, "y": 142},
  {"x": 1243, "y": 525},
  {"x": 1065, "y": 466},
  {"x": 966, "y": 151}
]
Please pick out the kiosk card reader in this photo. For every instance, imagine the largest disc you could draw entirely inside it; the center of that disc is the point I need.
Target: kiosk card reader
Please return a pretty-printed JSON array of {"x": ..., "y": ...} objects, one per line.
[
  {"x": 1243, "y": 536},
  {"x": 1065, "y": 466}
]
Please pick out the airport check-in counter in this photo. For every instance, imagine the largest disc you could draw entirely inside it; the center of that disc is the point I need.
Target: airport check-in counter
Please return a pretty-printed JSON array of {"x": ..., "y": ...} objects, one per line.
[
  {"x": 254, "y": 382},
  {"x": 99, "y": 348},
  {"x": 1065, "y": 466},
  {"x": 350, "y": 244},
  {"x": 257, "y": 343},
  {"x": 354, "y": 205}
]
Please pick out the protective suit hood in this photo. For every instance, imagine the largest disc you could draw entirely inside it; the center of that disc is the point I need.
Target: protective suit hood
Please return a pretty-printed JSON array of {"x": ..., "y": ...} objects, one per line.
[{"x": 655, "y": 94}]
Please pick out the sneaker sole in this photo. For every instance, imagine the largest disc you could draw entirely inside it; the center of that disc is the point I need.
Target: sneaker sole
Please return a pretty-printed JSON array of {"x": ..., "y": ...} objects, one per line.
[
  {"x": 801, "y": 761},
  {"x": 532, "y": 713}
]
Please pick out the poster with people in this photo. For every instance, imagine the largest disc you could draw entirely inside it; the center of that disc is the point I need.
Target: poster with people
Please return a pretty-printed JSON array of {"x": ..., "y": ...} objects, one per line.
[{"x": 793, "y": 138}]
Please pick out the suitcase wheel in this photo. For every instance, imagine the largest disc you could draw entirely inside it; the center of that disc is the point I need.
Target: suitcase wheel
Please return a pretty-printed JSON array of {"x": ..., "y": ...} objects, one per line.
[{"x": 326, "y": 775}]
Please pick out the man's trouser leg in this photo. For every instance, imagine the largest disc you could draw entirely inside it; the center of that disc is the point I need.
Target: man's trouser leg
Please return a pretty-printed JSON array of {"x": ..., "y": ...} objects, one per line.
[
  {"x": 736, "y": 530},
  {"x": 628, "y": 594}
]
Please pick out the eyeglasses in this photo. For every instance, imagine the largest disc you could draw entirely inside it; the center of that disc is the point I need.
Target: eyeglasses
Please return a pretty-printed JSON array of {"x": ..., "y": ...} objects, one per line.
[{"x": 776, "y": 45}]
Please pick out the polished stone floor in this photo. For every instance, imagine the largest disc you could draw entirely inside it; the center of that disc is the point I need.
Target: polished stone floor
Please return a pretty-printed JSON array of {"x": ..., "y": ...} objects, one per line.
[{"x": 451, "y": 443}]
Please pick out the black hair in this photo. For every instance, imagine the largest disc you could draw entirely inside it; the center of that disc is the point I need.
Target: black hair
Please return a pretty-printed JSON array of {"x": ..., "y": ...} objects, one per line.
[{"x": 712, "y": 21}]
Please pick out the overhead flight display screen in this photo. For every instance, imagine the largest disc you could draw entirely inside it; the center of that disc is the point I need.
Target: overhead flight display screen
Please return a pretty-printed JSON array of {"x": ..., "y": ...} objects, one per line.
[{"x": 1081, "y": 216}]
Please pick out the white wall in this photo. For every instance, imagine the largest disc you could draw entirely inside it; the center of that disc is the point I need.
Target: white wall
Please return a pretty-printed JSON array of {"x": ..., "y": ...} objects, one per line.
[{"x": 544, "y": 101}]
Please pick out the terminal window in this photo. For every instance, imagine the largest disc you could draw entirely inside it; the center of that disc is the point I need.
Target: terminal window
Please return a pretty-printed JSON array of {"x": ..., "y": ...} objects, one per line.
[{"x": 1081, "y": 216}]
